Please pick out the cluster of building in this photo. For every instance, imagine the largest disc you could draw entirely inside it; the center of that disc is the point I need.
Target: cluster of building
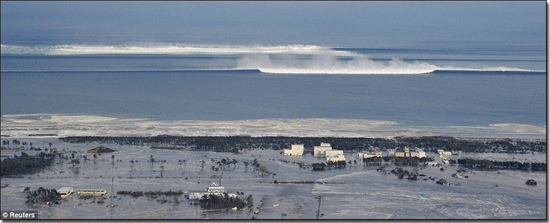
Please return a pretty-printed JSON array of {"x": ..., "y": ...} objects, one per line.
[
  {"x": 322, "y": 151},
  {"x": 325, "y": 151},
  {"x": 67, "y": 191},
  {"x": 407, "y": 153}
]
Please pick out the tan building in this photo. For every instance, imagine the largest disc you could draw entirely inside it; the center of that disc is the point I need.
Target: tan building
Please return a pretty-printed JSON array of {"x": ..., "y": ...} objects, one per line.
[
  {"x": 335, "y": 155},
  {"x": 408, "y": 153},
  {"x": 295, "y": 150},
  {"x": 443, "y": 153}
]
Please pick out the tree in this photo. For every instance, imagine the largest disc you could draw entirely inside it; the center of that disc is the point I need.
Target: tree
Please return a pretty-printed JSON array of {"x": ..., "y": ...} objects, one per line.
[{"x": 250, "y": 200}]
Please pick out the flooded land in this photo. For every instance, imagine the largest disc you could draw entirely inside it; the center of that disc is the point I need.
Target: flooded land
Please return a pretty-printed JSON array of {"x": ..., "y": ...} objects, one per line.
[{"x": 281, "y": 187}]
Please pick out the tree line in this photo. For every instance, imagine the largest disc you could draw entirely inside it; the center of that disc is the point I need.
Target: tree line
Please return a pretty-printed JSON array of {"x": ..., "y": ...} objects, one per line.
[
  {"x": 25, "y": 164},
  {"x": 499, "y": 165},
  {"x": 224, "y": 143},
  {"x": 225, "y": 201}
]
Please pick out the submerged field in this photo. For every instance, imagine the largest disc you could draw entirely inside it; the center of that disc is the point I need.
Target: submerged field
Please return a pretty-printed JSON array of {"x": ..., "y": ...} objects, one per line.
[{"x": 354, "y": 192}]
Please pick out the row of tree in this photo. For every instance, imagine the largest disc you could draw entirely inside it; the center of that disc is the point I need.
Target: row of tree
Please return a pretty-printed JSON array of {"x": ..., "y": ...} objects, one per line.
[
  {"x": 225, "y": 202},
  {"x": 330, "y": 165},
  {"x": 41, "y": 195},
  {"x": 228, "y": 143},
  {"x": 499, "y": 165},
  {"x": 25, "y": 164}
]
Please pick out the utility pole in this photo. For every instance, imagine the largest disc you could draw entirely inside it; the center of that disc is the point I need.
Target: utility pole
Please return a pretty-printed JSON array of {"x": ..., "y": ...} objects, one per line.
[
  {"x": 112, "y": 190},
  {"x": 319, "y": 207}
]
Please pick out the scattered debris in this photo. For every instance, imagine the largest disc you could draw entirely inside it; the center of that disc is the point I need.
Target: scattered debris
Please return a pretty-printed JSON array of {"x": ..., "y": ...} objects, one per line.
[
  {"x": 531, "y": 182},
  {"x": 456, "y": 175}
]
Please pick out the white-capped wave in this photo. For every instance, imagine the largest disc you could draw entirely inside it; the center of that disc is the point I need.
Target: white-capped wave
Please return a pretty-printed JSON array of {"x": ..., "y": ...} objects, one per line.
[
  {"x": 289, "y": 58},
  {"x": 358, "y": 64},
  {"x": 161, "y": 48},
  {"x": 330, "y": 64}
]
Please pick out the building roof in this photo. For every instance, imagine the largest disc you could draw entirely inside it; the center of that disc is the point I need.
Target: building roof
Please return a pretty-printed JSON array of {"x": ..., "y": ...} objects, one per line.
[
  {"x": 64, "y": 189},
  {"x": 101, "y": 149}
]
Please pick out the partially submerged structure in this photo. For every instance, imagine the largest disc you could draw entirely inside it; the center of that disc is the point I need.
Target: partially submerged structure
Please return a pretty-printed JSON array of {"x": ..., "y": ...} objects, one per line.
[
  {"x": 319, "y": 151},
  {"x": 373, "y": 152},
  {"x": 407, "y": 153},
  {"x": 101, "y": 149},
  {"x": 335, "y": 155},
  {"x": 90, "y": 192},
  {"x": 444, "y": 154},
  {"x": 65, "y": 191},
  {"x": 325, "y": 150},
  {"x": 213, "y": 189},
  {"x": 295, "y": 150}
]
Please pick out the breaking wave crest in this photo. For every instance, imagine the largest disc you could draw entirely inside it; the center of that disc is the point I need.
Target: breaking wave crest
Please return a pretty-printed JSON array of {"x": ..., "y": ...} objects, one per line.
[
  {"x": 282, "y": 59},
  {"x": 359, "y": 64},
  {"x": 161, "y": 48}
]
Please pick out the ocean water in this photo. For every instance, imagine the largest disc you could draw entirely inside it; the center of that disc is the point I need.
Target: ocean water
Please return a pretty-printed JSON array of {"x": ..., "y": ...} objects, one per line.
[
  {"x": 408, "y": 88},
  {"x": 290, "y": 90}
]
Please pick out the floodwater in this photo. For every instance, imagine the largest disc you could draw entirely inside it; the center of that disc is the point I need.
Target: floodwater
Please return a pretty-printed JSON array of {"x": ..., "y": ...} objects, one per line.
[{"x": 356, "y": 192}]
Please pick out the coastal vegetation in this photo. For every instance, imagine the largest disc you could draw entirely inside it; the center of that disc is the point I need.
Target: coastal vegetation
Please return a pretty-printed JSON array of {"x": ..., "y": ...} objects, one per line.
[
  {"x": 41, "y": 195},
  {"x": 225, "y": 202},
  {"x": 25, "y": 164},
  {"x": 235, "y": 143},
  {"x": 498, "y": 165}
]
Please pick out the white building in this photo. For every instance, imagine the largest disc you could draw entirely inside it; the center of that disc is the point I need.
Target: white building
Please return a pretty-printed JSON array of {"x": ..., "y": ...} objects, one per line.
[
  {"x": 373, "y": 152},
  {"x": 65, "y": 191},
  {"x": 295, "y": 150},
  {"x": 319, "y": 151},
  {"x": 335, "y": 155},
  {"x": 213, "y": 189}
]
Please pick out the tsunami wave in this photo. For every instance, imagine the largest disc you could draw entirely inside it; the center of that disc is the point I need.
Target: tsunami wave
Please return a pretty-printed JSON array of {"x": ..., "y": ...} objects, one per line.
[
  {"x": 178, "y": 49},
  {"x": 282, "y": 59}
]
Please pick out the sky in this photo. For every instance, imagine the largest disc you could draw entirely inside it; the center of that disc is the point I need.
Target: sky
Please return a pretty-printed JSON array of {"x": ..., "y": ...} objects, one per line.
[{"x": 337, "y": 24}]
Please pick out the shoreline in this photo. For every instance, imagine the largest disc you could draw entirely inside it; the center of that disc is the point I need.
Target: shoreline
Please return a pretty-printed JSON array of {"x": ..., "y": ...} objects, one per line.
[{"x": 67, "y": 125}]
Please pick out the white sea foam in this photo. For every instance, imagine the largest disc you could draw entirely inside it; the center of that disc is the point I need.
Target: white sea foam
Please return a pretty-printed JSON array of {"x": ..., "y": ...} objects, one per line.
[
  {"x": 322, "y": 59},
  {"x": 329, "y": 64},
  {"x": 161, "y": 48},
  {"x": 60, "y": 125},
  {"x": 359, "y": 64}
]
